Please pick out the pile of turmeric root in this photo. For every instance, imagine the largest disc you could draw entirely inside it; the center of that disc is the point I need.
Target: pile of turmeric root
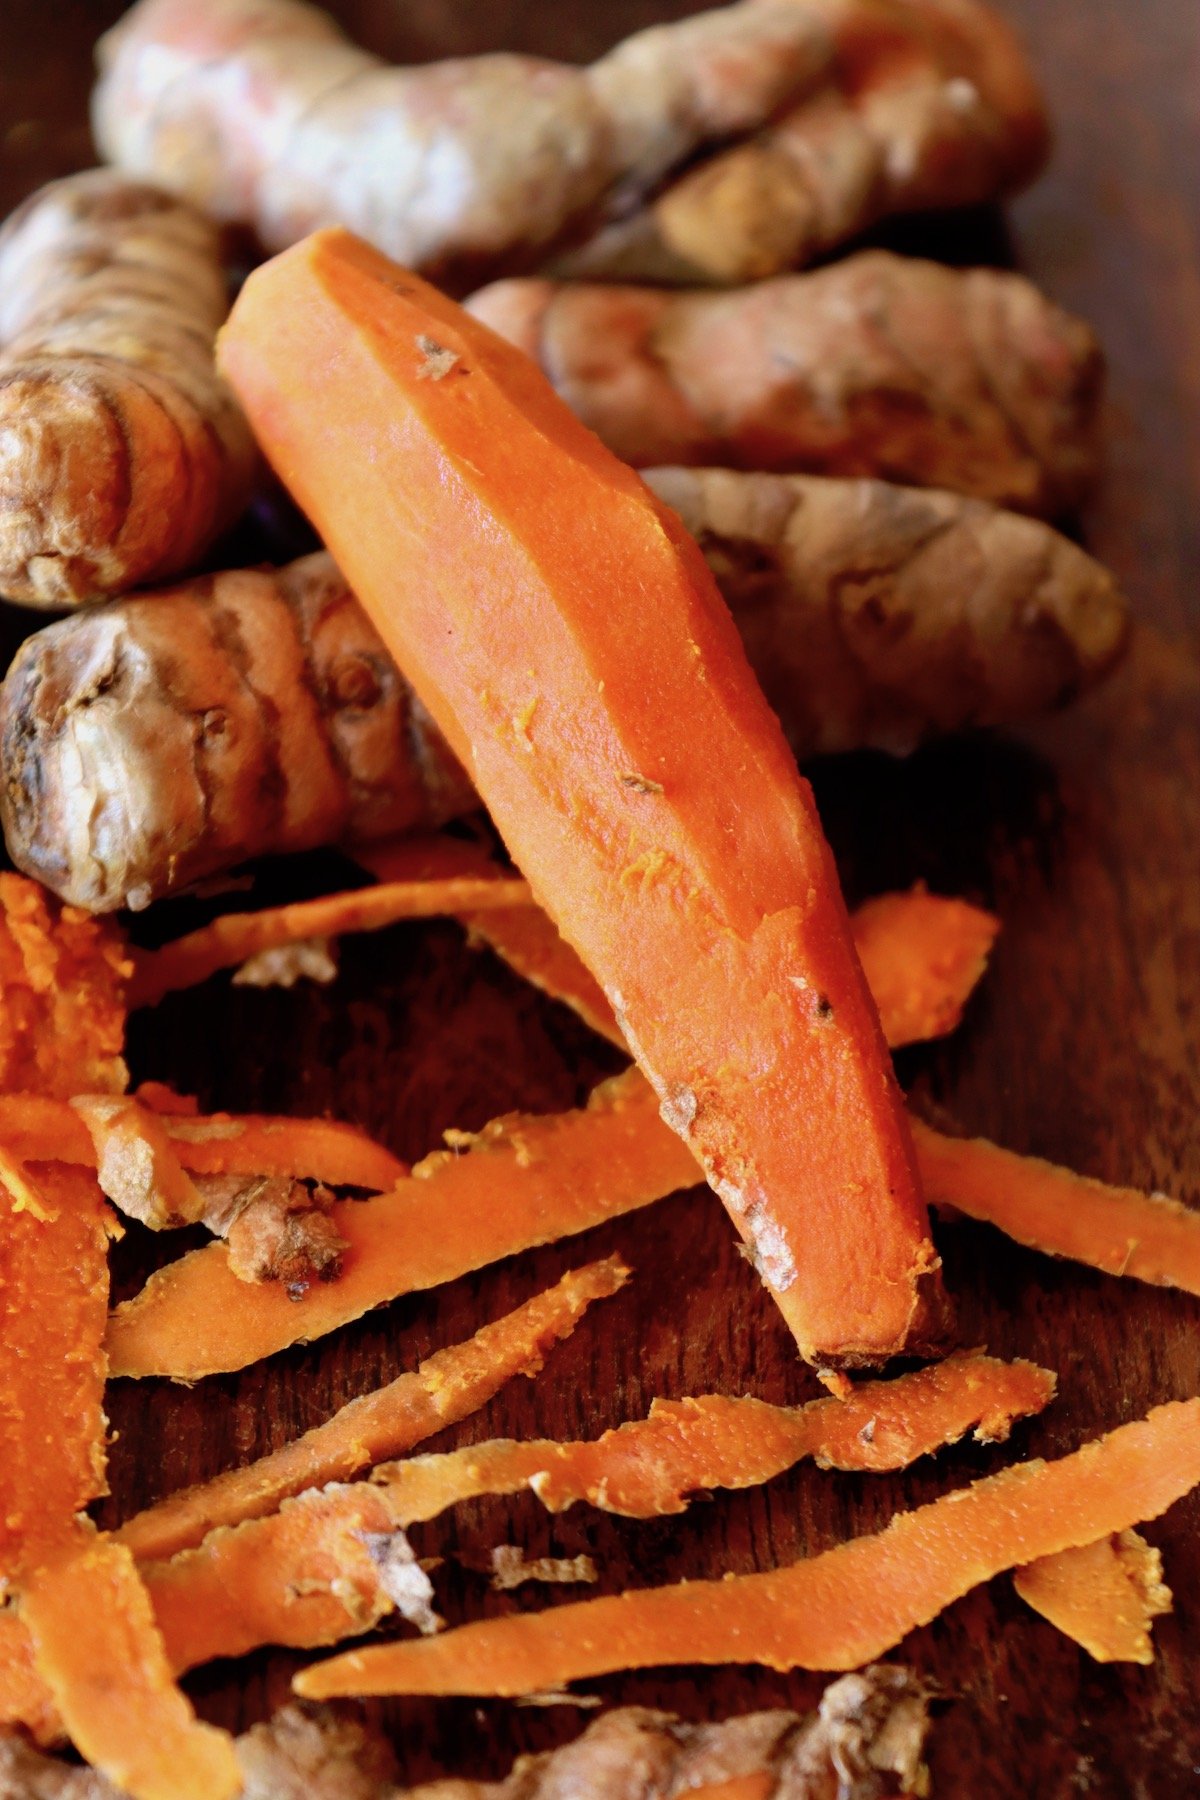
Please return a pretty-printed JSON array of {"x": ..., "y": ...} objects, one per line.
[{"x": 872, "y": 456}]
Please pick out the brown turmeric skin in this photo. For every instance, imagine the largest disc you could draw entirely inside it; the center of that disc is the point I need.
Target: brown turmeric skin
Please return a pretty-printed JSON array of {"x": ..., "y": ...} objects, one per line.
[
  {"x": 158, "y": 740},
  {"x": 924, "y": 105},
  {"x": 261, "y": 111},
  {"x": 875, "y": 616},
  {"x": 878, "y": 616},
  {"x": 122, "y": 453},
  {"x": 879, "y": 365},
  {"x": 865, "y": 1741}
]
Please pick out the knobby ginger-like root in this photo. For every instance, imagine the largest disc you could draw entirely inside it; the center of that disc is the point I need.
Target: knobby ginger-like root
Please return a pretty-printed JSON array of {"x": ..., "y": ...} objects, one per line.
[
  {"x": 879, "y": 365},
  {"x": 260, "y": 111},
  {"x": 874, "y": 616},
  {"x": 926, "y": 104},
  {"x": 155, "y": 741},
  {"x": 865, "y": 1741},
  {"x": 122, "y": 453},
  {"x": 877, "y": 616}
]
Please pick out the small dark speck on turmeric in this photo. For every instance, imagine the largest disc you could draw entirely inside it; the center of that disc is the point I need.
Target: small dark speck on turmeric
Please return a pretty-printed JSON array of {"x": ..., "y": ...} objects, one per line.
[
  {"x": 641, "y": 784},
  {"x": 824, "y": 1006}
]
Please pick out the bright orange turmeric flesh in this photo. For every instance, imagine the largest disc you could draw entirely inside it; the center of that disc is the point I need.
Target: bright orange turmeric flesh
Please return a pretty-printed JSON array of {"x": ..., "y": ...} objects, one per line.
[
  {"x": 837, "y": 1610},
  {"x": 54, "y": 1292},
  {"x": 305, "y": 1576},
  {"x": 552, "y": 1176},
  {"x": 1105, "y": 1595},
  {"x": 235, "y": 937},
  {"x": 36, "y": 1129},
  {"x": 523, "y": 1180},
  {"x": 95, "y": 1645},
  {"x": 1149, "y": 1236},
  {"x": 654, "y": 1466},
  {"x": 923, "y": 956},
  {"x": 447, "y": 1386},
  {"x": 62, "y": 995},
  {"x": 569, "y": 639}
]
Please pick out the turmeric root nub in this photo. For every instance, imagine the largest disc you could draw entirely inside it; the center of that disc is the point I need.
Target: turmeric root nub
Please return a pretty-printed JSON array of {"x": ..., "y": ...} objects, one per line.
[{"x": 572, "y": 645}]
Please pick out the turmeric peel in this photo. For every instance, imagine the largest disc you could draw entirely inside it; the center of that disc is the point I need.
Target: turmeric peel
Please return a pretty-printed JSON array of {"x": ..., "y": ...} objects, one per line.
[
  {"x": 653, "y": 1466},
  {"x": 836, "y": 1610},
  {"x": 447, "y": 1387},
  {"x": 1106, "y": 1595}
]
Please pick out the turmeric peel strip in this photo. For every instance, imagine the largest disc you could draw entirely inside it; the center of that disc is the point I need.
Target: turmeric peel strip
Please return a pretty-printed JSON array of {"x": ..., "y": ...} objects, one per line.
[
  {"x": 1118, "y": 1230},
  {"x": 448, "y": 1386},
  {"x": 54, "y": 1277},
  {"x": 1105, "y": 1595},
  {"x": 523, "y": 1181},
  {"x": 650, "y": 1467},
  {"x": 37, "y": 1129},
  {"x": 923, "y": 956},
  {"x": 547, "y": 1178},
  {"x": 235, "y": 937},
  {"x": 836, "y": 1610},
  {"x": 96, "y": 1647},
  {"x": 302, "y": 1577}
]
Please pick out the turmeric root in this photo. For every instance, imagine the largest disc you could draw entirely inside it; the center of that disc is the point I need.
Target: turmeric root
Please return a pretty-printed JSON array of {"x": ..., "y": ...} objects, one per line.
[
  {"x": 878, "y": 365},
  {"x": 874, "y": 617},
  {"x": 650, "y": 1467},
  {"x": 150, "y": 743},
  {"x": 260, "y": 111},
  {"x": 925, "y": 106},
  {"x": 448, "y": 1386},
  {"x": 836, "y": 1610},
  {"x": 870, "y": 1728},
  {"x": 124, "y": 454},
  {"x": 1106, "y": 1595},
  {"x": 878, "y": 616}
]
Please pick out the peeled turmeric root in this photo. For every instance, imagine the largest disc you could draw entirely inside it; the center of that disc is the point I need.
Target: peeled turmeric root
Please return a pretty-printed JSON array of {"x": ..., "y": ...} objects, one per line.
[
  {"x": 873, "y": 615},
  {"x": 878, "y": 365},
  {"x": 123, "y": 454},
  {"x": 260, "y": 111}
]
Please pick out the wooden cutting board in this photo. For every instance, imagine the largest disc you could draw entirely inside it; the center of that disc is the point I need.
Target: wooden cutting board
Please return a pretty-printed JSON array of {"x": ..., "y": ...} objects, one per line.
[{"x": 1084, "y": 834}]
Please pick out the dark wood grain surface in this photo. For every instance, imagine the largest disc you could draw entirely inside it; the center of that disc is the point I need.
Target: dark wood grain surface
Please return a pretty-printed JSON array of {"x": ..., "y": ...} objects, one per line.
[{"x": 1084, "y": 833}]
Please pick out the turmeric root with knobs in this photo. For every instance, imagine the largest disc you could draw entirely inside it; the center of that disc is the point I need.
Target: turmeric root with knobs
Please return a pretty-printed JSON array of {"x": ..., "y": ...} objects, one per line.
[
  {"x": 150, "y": 743},
  {"x": 873, "y": 615},
  {"x": 869, "y": 1731},
  {"x": 261, "y": 112},
  {"x": 878, "y": 365},
  {"x": 925, "y": 105},
  {"x": 122, "y": 453}
]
